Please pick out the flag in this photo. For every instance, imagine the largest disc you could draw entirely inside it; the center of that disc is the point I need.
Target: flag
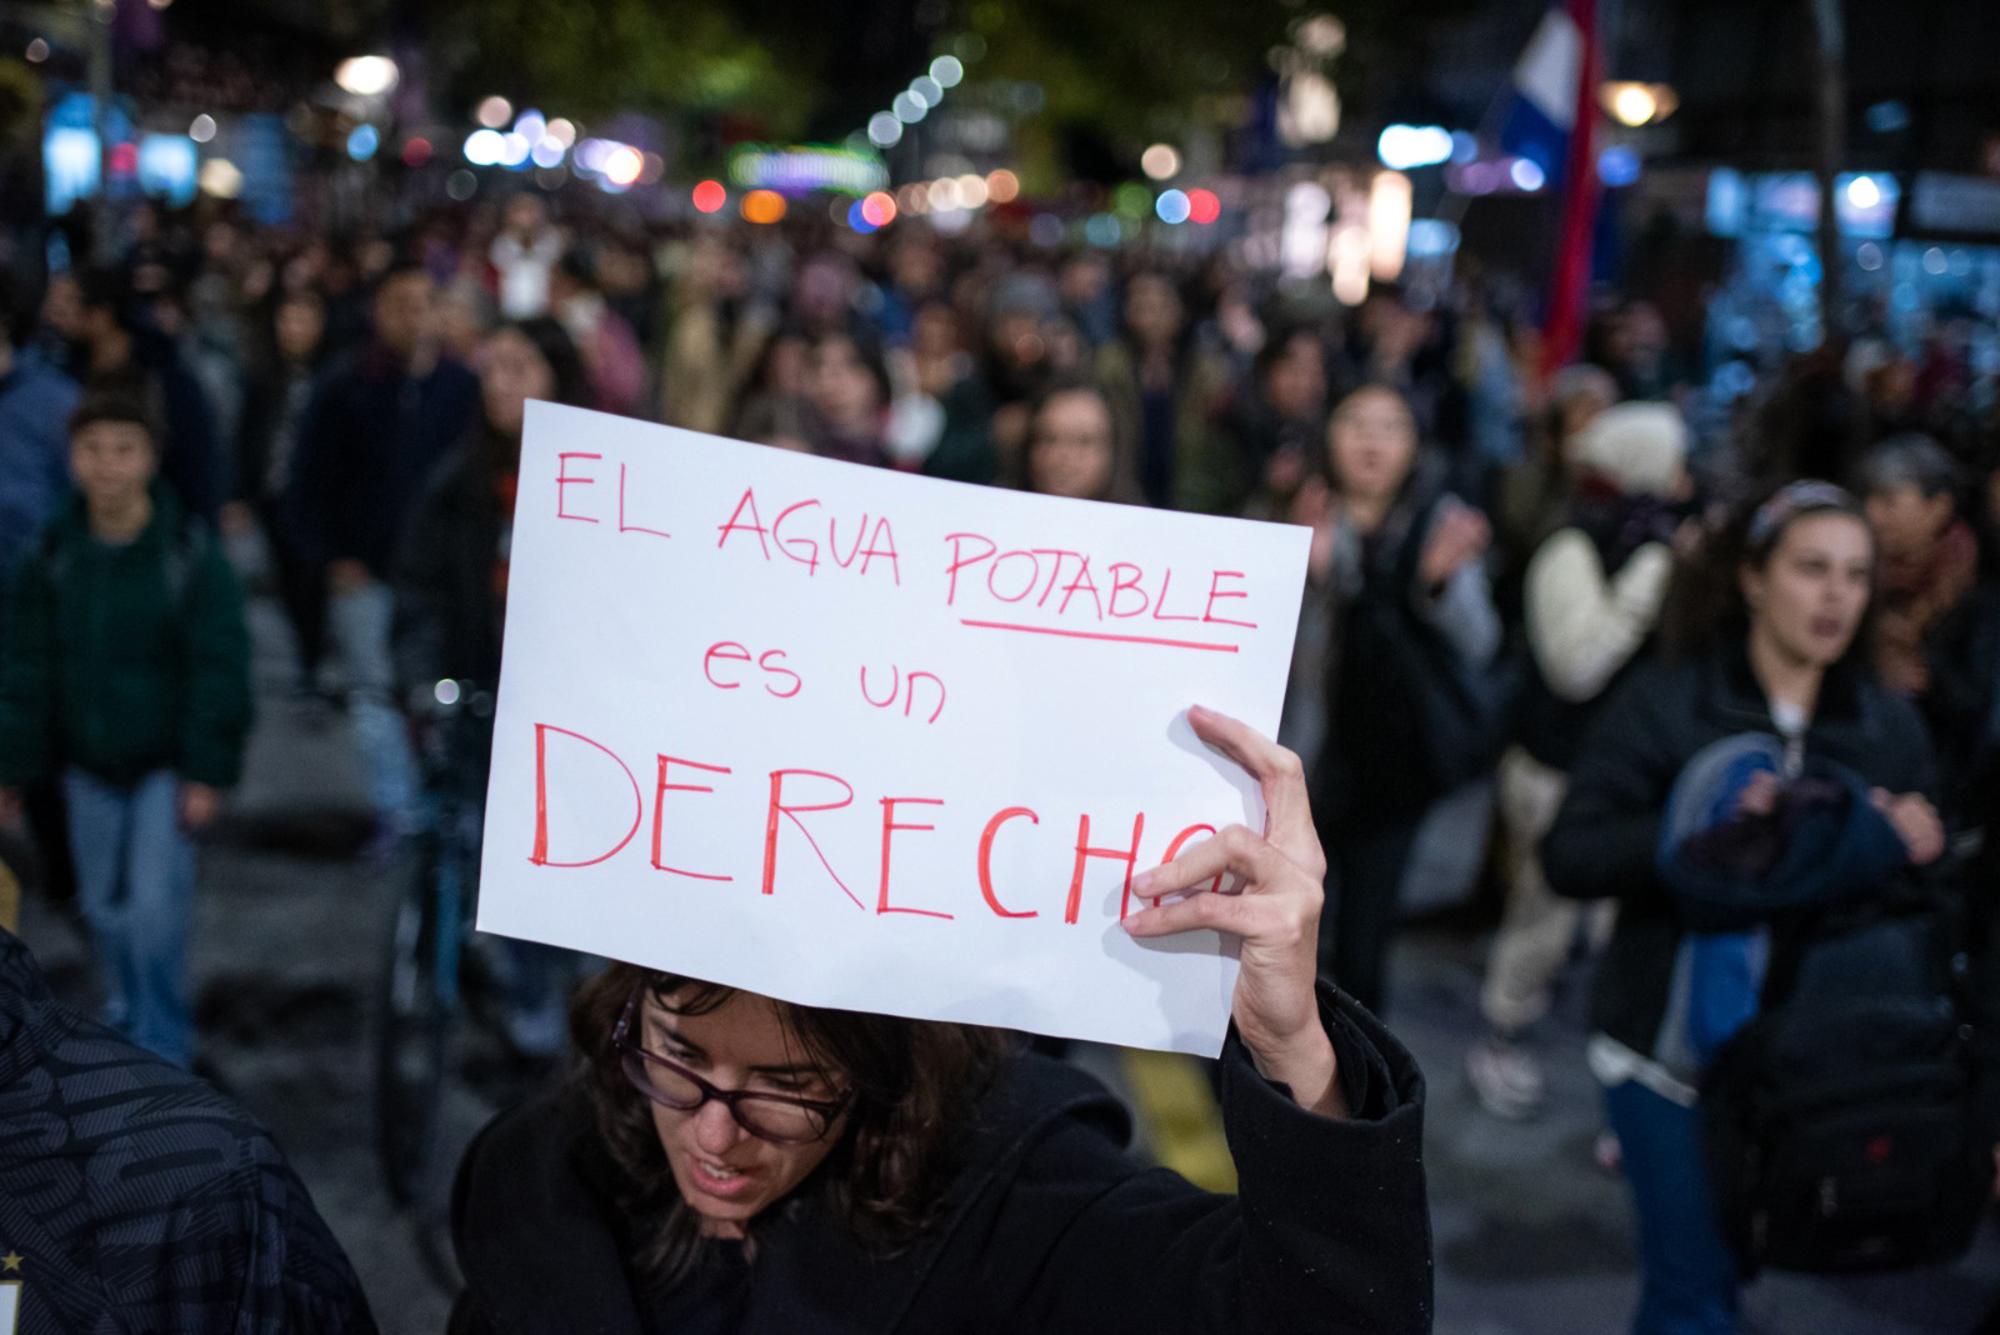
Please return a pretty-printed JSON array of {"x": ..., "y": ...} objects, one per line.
[{"x": 1551, "y": 121}]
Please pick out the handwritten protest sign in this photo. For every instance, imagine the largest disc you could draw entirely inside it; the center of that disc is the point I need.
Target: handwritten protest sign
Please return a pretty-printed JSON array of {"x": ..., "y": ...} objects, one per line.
[{"x": 857, "y": 738}]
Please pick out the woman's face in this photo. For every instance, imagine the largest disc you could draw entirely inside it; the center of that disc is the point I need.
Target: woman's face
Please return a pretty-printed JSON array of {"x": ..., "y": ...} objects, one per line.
[
  {"x": 1808, "y": 599},
  {"x": 725, "y": 1174},
  {"x": 1153, "y": 309},
  {"x": 1069, "y": 449},
  {"x": 1906, "y": 521},
  {"x": 841, "y": 388},
  {"x": 299, "y": 325},
  {"x": 1373, "y": 443},
  {"x": 1296, "y": 382},
  {"x": 512, "y": 370}
]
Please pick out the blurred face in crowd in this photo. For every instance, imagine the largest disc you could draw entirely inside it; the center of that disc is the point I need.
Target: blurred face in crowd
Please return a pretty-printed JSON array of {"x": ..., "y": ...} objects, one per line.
[
  {"x": 112, "y": 462},
  {"x": 463, "y": 320},
  {"x": 1807, "y": 599},
  {"x": 1907, "y": 522},
  {"x": 300, "y": 322},
  {"x": 512, "y": 370},
  {"x": 1373, "y": 444},
  {"x": 405, "y": 313},
  {"x": 725, "y": 1174},
  {"x": 1069, "y": 446},
  {"x": 1153, "y": 310},
  {"x": 1295, "y": 384},
  {"x": 934, "y": 333},
  {"x": 62, "y": 306},
  {"x": 840, "y": 386},
  {"x": 915, "y": 268},
  {"x": 526, "y": 215},
  {"x": 1017, "y": 339},
  {"x": 1578, "y": 411}
]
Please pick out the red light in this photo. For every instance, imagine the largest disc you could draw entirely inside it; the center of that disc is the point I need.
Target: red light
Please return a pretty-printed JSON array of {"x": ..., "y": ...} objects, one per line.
[
  {"x": 879, "y": 209},
  {"x": 416, "y": 152},
  {"x": 1203, "y": 206},
  {"x": 709, "y": 196},
  {"x": 124, "y": 159}
]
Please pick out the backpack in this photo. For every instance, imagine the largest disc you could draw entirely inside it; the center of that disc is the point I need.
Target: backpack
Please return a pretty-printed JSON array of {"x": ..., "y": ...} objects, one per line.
[{"x": 1839, "y": 1123}]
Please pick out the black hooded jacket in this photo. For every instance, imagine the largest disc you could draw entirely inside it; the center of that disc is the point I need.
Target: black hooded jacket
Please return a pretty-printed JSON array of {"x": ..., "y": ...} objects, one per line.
[{"x": 1049, "y": 1226}]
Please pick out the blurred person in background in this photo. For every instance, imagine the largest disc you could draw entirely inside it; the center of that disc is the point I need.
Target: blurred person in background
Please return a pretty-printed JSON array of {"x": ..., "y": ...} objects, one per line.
[
  {"x": 1276, "y": 429},
  {"x": 377, "y": 425},
  {"x": 524, "y": 255},
  {"x": 1413, "y": 628},
  {"x": 1767, "y": 636},
  {"x": 610, "y": 351},
  {"x": 1937, "y": 629},
  {"x": 127, "y": 673},
  {"x": 986, "y": 412},
  {"x": 292, "y": 351},
  {"x": 1592, "y": 598},
  {"x": 124, "y": 353},
  {"x": 1534, "y": 494},
  {"x": 708, "y": 350},
  {"x": 847, "y": 388},
  {"x": 35, "y": 403},
  {"x": 451, "y": 595},
  {"x": 775, "y": 409},
  {"x": 1164, "y": 393},
  {"x": 1071, "y": 449}
]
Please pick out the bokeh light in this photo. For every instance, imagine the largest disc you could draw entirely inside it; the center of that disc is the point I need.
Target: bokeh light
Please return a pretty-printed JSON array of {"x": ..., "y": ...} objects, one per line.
[
  {"x": 1002, "y": 186},
  {"x": 495, "y": 112},
  {"x": 971, "y": 191},
  {"x": 1160, "y": 162},
  {"x": 1203, "y": 206},
  {"x": 623, "y": 164},
  {"x": 710, "y": 196},
  {"x": 1172, "y": 207},
  {"x": 884, "y": 130},
  {"x": 416, "y": 151},
  {"x": 363, "y": 142},
  {"x": 763, "y": 206},
  {"x": 948, "y": 71},
  {"x": 879, "y": 208}
]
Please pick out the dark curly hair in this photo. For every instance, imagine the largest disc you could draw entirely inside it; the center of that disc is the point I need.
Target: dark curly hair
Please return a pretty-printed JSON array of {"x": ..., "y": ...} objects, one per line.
[{"x": 915, "y": 1083}]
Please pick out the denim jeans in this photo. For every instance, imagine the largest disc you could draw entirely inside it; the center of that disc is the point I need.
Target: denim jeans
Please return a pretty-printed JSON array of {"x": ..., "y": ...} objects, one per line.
[
  {"x": 360, "y": 620},
  {"x": 135, "y": 882},
  {"x": 1689, "y": 1277}
]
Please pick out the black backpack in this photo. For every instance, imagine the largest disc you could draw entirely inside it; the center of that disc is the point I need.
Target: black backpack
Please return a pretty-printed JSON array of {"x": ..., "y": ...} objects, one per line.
[{"x": 1840, "y": 1124}]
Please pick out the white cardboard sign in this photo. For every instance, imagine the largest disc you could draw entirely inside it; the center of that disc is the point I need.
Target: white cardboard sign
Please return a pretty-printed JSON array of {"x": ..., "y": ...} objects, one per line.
[{"x": 857, "y": 738}]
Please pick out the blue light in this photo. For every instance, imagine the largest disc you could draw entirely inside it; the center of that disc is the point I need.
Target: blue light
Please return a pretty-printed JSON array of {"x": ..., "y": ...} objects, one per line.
[
  {"x": 859, "y": 220},
  {"x": 1173, "y": 207},
  {"x": 361, "y": 145},
  {"x": 1618, "y": 166}
]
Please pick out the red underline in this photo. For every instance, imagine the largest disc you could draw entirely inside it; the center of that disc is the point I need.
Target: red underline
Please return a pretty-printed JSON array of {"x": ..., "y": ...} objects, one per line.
[{"x": 1100, "y": 635}]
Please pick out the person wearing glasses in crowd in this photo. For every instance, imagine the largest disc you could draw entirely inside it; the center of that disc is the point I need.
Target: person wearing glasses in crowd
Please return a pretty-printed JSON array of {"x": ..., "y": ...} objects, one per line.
[{"x": 725, "y": 1161}]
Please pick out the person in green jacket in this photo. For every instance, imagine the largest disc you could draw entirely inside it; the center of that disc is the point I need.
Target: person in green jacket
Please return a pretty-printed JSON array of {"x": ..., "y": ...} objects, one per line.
[{"x": 126, "y": 675}]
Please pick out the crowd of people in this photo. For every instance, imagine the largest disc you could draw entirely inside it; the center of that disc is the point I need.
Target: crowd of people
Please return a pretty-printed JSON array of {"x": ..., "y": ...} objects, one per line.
[{"x": 1536, "y": 607}]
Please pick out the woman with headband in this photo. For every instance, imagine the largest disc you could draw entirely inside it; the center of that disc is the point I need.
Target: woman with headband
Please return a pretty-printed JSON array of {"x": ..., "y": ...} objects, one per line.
[{"x": 1766, "y": 641}]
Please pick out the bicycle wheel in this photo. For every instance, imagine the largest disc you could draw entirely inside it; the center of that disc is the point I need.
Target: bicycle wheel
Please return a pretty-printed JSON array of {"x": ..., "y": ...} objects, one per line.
[{"x": 416, "y": 1014}]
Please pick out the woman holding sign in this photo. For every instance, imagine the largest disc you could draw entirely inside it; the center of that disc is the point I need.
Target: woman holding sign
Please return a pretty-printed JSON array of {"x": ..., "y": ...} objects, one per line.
[{"x": 722, "y": 1161}]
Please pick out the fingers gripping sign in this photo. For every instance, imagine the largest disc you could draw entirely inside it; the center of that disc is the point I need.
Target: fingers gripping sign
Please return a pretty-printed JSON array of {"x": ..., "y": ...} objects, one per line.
[{"x": 1275, "y": 917}]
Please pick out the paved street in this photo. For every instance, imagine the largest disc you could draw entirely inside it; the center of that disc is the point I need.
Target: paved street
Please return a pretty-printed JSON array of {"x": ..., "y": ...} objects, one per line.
[{"x": 1531, "y": 1239}]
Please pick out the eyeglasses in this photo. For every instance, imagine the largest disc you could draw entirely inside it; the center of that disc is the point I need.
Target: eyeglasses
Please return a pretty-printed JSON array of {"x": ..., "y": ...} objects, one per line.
[{"x": 781, "y": 1119}]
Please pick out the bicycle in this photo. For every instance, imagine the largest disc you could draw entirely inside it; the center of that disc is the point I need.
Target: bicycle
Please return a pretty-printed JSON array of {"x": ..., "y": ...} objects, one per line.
[{"x": 422, "y": 981}]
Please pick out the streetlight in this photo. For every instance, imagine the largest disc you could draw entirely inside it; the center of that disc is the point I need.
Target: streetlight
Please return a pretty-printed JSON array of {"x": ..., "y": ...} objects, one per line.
[
  {"x": 1637, "y": 104},
  {"x": 366, "y": 76}
]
